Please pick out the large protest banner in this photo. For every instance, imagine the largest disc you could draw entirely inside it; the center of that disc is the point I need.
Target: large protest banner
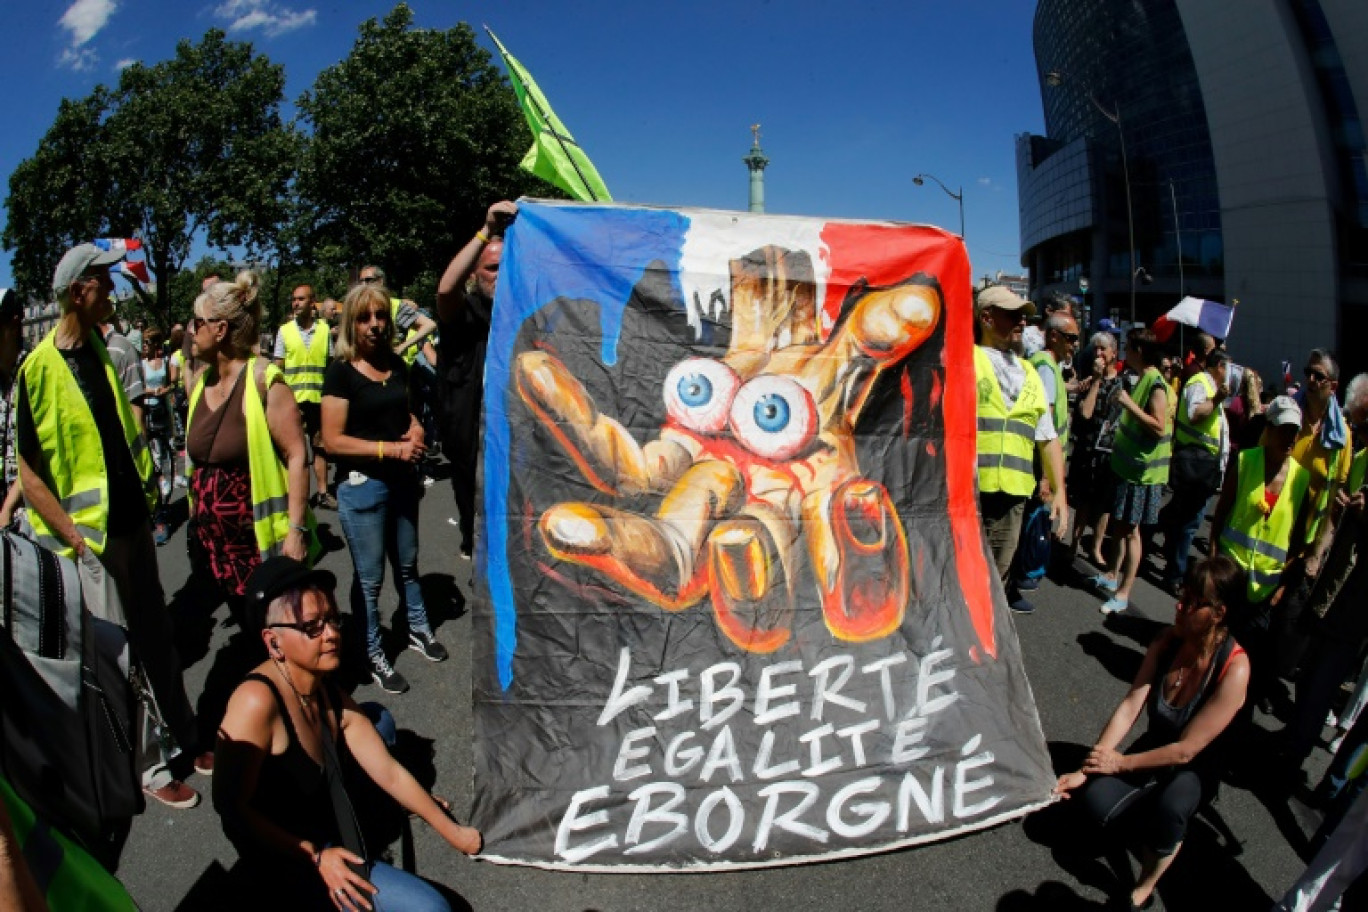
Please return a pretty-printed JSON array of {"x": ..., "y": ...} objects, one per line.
[{"x": 734, "y": 606}]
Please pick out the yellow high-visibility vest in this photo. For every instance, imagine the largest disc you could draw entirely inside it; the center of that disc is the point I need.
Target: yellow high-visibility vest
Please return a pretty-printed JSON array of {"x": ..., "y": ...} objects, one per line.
[
  {"x": 1204, "y": 432},
  {"x": 73, "y": 459},
  {"x": 1006, "y": 439},
  {"x": 1061, "y": 403},
  {"x": 270, "y": 478},
  {"x": 1259, "y": 542},
  {"x": 304, "y": 364},
  {"x": 1137, "y": 455}
]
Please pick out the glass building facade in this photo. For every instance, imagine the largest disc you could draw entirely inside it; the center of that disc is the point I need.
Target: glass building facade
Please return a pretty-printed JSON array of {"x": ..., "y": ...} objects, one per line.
[{"x": 1124, "y": 117}]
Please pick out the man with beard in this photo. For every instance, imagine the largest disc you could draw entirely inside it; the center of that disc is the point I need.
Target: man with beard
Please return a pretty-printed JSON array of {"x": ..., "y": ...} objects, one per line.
[{"x": 465, "y": 299}]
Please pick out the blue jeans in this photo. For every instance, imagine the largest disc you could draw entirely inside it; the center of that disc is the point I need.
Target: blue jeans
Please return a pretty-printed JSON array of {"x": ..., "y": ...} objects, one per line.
[
  {"x": 400, "y": 891},
  {"x": 381, "y": 519},
  {"x": 1182, "y": 520}
]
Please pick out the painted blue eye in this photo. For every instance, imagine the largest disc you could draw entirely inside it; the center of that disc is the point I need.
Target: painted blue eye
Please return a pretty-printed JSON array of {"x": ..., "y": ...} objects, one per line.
[
  {"x": 774, "y": 417},
  {"x": 695, "y": 390},
  {"x": 698, "y": 394},
  {"x": 772, "y": 413}
]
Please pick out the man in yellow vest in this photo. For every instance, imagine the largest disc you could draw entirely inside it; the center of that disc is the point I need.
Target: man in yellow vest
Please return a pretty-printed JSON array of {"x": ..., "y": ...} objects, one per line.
[
  {"x": 1201, "y": 442},
  {"x": 1338, "y": 606},
  {"x": 302, "y": 348},
  {"x": 1014, "y": 422},
  {"x": 87, "y": 478}
]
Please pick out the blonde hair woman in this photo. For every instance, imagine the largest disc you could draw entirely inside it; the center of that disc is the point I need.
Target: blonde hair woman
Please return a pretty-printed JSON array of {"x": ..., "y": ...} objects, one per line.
[
  {"x": 370, "y": 432},
  {"x": 245, "y": 443}
]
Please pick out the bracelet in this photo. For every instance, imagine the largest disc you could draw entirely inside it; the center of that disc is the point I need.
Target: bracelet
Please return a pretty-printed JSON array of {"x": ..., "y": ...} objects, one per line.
[
  {"x": 380, "y": 450},
  {"x": 481, "y": 236},
  {"x": 301, "y": 529}
]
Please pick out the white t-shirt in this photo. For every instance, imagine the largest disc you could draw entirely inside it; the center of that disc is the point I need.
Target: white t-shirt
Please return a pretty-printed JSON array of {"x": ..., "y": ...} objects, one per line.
[{"x": 307, "y": 334}]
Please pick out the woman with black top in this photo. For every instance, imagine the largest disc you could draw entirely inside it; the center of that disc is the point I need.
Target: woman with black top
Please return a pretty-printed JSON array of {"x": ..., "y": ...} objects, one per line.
[
  {"x": 376, "y": 442},
  {"x": 282, "y": 753},
  {"x": 1191, "y": 684}
]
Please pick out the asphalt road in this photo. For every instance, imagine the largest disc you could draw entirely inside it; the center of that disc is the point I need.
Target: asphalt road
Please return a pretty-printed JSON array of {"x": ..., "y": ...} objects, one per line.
[{"x": 1240, "y": 857}]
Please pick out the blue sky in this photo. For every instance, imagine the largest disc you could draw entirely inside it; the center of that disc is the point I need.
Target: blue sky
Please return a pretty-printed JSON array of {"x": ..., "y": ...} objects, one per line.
[{"x": 854, "y": 98}]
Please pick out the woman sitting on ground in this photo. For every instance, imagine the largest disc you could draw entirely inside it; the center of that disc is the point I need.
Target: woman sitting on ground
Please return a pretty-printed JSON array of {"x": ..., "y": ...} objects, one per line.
[
  {"x": 1191, "y": 685},
  {"x": 282, "y": 747}
]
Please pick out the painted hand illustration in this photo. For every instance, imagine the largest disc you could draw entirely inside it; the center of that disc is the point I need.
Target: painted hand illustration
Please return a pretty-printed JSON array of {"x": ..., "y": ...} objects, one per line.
[{"x": 757, "y": 453}]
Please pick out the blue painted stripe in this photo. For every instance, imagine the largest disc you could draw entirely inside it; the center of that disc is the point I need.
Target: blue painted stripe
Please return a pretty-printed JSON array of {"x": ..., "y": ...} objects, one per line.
[{"x": 573, "y": 252}]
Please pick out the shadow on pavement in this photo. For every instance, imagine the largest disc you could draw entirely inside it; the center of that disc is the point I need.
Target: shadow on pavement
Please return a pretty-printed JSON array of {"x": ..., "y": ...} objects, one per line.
[
  {"x": 1121, "y": 662},
  {"x": 1050, "y": 895}
]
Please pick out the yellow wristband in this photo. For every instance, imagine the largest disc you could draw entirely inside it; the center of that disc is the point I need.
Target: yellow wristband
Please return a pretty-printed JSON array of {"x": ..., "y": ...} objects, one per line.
[
  {"x": 481, "y": 236},
  {"x": 380, "y": 450}
]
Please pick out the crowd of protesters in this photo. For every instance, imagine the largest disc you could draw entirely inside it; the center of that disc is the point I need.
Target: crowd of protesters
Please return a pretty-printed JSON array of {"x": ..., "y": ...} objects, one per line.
[
  {"x": 1275, "y": 594},
  {"x": 100, "y": 427}
]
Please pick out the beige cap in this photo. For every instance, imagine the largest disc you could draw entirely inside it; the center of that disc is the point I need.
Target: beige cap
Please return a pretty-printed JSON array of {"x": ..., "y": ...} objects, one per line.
[
  {"x": 1283, "y": 410},
  {"x": 1003, "y": 298}
]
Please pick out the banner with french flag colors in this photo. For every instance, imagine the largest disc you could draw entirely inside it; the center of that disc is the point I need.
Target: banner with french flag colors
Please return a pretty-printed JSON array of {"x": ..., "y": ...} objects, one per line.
[{"x": 734, "y": 605}]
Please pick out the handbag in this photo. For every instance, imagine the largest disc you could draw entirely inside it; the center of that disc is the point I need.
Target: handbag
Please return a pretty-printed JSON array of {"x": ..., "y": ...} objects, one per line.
[{"x": 1195, "y": 468}]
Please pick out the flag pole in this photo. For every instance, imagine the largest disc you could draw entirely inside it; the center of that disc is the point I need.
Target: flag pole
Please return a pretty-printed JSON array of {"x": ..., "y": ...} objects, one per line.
[{"x": 528, "y": 95}]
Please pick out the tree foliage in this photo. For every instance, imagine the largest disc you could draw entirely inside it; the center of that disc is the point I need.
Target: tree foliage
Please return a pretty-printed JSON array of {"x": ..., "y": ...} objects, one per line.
[
  {"x": 412, "y": 136},
  {"x": 186, "y": 148}
]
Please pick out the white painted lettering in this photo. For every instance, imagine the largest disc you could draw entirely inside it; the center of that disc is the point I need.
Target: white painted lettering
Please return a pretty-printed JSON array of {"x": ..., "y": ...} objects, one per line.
[
  {"x": 680, "y": 759},
  {"x": 573, "y": 822},
  {"x": 722, "y": 755},
  {"x": 675, "y": 705},
  {"x": 643, "y": 814},
  {"x": 964, "y": 786},
  {"x": 874, "y": 813},
  {"x": 766, "y": 692},
  {"x": 629, "y": 751},
  {"x": 855, "y": 735},
  {"x": 931, "y": 807},
  {"x": 762, "y": 768},
  {"x": 824, "y": 692},
  {"x": 736, "y": 820},
  {"x": 884, "y": 668},
  {"x": 619, "y": 699},
  {"x": 907, "y": 734},
  {"x": 813, "y": 739},
  {"x": 710, "y": 694},
  {"x": 770, "y": 819}
]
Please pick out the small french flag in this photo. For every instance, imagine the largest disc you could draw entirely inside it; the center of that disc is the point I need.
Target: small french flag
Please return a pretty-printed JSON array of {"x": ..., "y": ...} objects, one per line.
[
  {"x": 1287, "y": 371},
  {"x": 119, "y": 245},
  {"x": 135, "y": 270}
]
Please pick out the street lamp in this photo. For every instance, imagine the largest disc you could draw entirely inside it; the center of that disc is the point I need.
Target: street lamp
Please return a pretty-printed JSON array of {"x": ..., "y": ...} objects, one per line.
[
  {"x": 1054, "y": 79},
  {"x": 919, "y": 180}
]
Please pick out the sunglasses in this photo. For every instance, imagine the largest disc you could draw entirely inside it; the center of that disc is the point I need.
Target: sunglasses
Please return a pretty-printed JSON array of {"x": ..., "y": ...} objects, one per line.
[
  {"x": 1071, "y": 337},
  {"x": 314, "y": 629},
  {"x": 370, "y": 280}
]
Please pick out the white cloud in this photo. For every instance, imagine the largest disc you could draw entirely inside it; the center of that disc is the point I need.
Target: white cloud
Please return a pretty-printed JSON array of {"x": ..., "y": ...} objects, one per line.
[
  {"x": 272, "y": 19},
  {"x": 125, "y": 63},
  {"x": 985, "y": 181},
  {"x": 83, "y": 20}
]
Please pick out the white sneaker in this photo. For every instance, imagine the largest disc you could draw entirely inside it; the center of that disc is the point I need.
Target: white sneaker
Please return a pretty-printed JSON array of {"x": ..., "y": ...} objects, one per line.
[{"x": 165, "y": 488}]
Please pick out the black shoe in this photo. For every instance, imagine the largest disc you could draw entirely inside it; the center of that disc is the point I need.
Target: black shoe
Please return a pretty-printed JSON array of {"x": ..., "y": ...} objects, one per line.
[
  {"x": 1020, "y": 605},
  {"x": 1028, "y": 584},
  {"x": 427, "y": 646},
  {"x": 383, "y": 673}
]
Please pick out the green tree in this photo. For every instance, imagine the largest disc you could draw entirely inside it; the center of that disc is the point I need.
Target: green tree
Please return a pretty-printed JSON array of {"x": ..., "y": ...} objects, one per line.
[
  {"x": 189, "y": 148},
  {"x": 411, "y": 137}
]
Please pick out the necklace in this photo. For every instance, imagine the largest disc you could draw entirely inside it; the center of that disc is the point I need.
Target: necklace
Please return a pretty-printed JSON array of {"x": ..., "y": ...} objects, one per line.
[{"x": 305, "y": 701}]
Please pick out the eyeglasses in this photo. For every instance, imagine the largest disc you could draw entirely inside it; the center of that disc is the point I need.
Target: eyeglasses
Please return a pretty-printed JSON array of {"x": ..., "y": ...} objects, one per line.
[
  {"x": 370, "y": 280},
  {"x": 314, "y": 629},
  {"x": 1071, "y": 337},
  {"x": 1316, "y": 374}
]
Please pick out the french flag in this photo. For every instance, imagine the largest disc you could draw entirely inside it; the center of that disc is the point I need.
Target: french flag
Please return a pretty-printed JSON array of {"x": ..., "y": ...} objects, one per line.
[
  {"x": 135, "y": 270},
  {"x": 118, "y": 245},
  {"x": 1211, "y": 317}
]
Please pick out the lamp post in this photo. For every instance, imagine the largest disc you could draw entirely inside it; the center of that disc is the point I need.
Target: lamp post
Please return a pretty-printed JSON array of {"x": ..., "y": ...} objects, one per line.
[
  {"x": 920, "y": 180},
  {"x": 1055, "y": 78}
]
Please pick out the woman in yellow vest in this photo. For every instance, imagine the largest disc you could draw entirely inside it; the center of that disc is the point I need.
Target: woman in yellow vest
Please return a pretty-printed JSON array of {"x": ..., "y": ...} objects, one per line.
[
  {"x": 1140, "y": 461},
  {"x": 245, "y": 446}
]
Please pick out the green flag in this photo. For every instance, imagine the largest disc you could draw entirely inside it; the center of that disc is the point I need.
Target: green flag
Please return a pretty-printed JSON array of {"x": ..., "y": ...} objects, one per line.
[{"x": 555, "y": 156}]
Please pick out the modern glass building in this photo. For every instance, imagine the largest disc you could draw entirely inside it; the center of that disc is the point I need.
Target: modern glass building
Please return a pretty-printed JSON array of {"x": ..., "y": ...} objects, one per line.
[{"x": 1205, "y": 147}]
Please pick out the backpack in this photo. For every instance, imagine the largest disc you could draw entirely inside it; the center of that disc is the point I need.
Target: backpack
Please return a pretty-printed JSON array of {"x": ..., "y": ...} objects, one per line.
[
  {"x": 1033, "y": 549},
  {"x": 68, "y": 722}
]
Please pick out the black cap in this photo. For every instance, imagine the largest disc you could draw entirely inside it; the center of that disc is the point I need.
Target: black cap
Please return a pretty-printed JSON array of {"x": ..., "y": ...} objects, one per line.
[{"x": 278, "y": 575}]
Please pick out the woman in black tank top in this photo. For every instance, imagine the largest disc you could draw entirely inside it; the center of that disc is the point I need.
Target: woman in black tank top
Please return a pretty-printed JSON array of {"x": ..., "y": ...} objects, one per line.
[
  {"x": 278, "y": 783},
  {"x": 1192, "y": 684}
]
